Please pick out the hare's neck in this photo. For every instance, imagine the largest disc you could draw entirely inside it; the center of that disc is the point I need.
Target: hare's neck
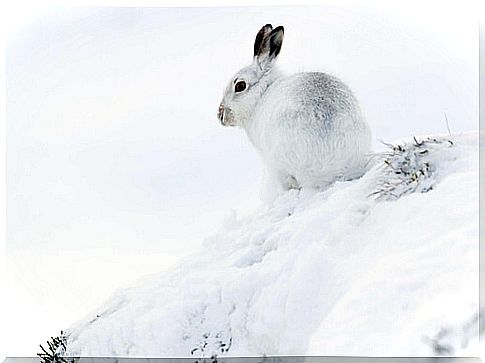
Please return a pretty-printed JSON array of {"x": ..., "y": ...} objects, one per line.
[{"x": 263, "y": 85}]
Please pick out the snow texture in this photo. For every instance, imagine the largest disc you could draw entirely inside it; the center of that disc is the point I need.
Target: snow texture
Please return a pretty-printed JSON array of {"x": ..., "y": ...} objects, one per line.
[{"x": 358, "y": 269}]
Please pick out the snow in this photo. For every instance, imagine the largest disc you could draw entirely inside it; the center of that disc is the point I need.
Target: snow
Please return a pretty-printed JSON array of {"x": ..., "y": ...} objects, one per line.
[
  {"x": 116, "y": 164},
  {"x": 334, "y": 272}
]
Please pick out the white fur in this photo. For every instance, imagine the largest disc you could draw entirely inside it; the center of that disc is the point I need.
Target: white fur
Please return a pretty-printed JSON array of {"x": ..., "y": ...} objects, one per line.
[{"x": 307, "y": 127}]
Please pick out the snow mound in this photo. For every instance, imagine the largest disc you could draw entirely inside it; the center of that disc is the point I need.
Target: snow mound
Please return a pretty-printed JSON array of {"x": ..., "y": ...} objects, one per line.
[{"x": 375, "y": 266}]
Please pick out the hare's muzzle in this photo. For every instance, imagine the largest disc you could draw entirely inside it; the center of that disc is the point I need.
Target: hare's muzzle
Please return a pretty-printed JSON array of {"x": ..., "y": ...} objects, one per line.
[
  {"x": 226, "y": 116},
  {"x": 220, "y": 113}
]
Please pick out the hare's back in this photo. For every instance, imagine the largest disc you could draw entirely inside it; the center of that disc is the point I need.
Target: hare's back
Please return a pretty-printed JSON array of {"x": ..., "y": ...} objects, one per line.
[{"x": 314, "y": 97}]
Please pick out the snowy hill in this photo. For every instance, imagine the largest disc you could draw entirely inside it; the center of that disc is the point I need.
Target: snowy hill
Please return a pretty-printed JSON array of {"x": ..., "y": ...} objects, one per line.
[{"x": 383, "y": 265}]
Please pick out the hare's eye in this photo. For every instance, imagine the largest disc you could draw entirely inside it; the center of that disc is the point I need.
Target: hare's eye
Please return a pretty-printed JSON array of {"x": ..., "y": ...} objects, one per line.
[{"x": 240, "y": 86}]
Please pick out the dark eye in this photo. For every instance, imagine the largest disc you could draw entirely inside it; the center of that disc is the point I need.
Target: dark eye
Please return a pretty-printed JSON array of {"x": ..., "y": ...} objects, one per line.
[{"x": 240, "y": 86}]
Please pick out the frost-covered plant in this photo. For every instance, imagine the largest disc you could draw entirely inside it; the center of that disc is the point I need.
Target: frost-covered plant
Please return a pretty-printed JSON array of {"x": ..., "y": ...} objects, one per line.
[
  {"x": 212, "y": 343},
  {"x": 56, "y": 347},
  {"x": 407, "y": 168}
]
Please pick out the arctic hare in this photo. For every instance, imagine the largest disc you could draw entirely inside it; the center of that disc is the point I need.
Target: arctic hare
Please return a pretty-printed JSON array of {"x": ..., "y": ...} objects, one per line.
[{"x": 307, "y": 127}]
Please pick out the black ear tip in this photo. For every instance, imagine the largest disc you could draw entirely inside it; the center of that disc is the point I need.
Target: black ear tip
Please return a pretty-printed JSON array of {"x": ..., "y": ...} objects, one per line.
[
  {"x": 266, "y": 28},
  {"x": 279, "y": 29}
]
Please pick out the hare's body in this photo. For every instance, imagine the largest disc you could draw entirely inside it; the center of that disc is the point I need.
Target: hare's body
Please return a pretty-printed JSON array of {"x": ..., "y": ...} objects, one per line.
[{"x": 307, "y": 127}]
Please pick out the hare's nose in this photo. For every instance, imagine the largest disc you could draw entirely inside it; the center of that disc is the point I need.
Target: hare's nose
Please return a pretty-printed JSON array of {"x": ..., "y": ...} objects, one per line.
[{"x": 220, "y": 113}]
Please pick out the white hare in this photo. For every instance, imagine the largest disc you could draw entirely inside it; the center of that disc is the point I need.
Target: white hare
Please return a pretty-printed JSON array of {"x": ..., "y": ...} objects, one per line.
[{"x": 307, "y": 127}]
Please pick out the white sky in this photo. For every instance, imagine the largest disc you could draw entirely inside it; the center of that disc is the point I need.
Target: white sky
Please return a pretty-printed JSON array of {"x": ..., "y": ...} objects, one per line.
[{"x": 117, "y": 165}]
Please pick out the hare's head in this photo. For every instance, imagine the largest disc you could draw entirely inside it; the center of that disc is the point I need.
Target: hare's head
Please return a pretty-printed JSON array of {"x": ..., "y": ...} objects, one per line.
[{"x": 247, "y": 86}]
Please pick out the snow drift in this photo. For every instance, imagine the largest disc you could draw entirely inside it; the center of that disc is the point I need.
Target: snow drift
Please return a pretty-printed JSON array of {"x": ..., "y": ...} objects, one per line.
[{"x": 383, "y": 265}]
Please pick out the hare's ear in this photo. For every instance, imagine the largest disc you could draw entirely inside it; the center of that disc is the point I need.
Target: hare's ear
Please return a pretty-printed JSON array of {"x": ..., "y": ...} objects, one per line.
[
  {"x": 267, "y": 45},
  {"x": 276, "y": 41},
  {"x": 261, "y": 44}
]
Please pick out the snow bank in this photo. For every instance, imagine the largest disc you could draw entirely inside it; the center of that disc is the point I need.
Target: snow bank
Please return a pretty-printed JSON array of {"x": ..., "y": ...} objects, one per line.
[{"x": 342, "y": 271}]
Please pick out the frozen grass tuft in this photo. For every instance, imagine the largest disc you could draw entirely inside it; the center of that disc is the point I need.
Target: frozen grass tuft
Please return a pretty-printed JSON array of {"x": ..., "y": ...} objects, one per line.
[{"x": 407, "y": 168}]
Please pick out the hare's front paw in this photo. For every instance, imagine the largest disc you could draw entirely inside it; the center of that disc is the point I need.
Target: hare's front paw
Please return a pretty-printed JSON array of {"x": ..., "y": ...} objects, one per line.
[{"x": 292, "y": 183}]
